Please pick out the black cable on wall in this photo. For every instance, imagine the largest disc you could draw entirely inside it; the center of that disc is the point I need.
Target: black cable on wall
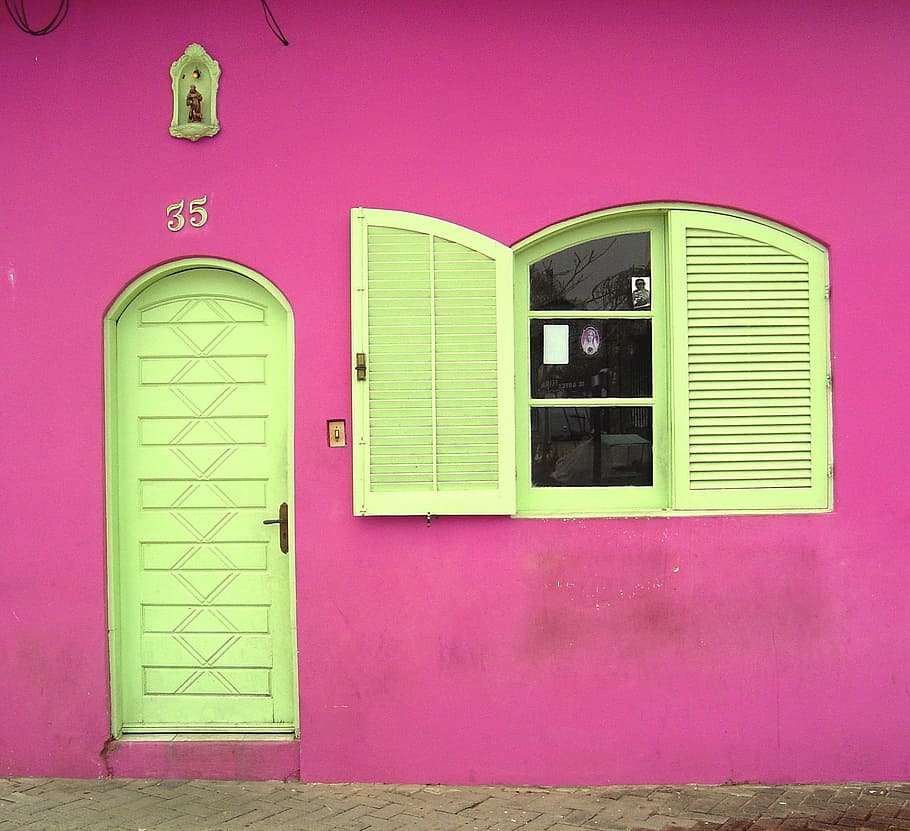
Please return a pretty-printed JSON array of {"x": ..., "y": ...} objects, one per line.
[
  {"x": 273, "y": 24},
  {"x": 16, "y": 9}
]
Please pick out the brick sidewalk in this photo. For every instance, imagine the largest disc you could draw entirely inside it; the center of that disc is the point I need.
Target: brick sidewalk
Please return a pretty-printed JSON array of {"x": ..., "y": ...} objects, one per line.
[{"x": 143, "y": 805}]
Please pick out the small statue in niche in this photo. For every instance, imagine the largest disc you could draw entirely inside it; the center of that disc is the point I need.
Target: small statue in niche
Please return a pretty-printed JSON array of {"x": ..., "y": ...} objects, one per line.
[
  {"x": 194, "y": 102},
  {"x": 194, "y": 84}
]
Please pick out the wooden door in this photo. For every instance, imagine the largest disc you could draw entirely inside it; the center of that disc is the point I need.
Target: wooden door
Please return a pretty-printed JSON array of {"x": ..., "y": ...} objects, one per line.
[{"x": 205, "y": 635}]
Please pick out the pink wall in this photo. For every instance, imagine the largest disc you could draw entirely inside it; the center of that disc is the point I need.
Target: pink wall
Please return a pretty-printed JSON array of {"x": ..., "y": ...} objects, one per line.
[{"x": 480, "y": 649}]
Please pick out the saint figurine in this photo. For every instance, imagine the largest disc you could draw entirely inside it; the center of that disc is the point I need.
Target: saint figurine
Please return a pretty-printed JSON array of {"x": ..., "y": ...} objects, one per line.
[{"x": 194, "y": 102}]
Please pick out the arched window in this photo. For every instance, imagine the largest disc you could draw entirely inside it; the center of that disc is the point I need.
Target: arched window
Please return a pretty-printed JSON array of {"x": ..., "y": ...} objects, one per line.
[{"x": 658, "y": 358}]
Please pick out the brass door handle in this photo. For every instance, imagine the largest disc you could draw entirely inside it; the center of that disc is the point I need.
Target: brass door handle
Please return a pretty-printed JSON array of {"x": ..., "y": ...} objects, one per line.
[{"x": 282, "y": 521}]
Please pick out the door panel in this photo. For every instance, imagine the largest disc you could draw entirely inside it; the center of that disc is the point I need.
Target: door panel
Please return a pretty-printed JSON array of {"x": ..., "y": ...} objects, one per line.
[{"x": 202, "y": 454}]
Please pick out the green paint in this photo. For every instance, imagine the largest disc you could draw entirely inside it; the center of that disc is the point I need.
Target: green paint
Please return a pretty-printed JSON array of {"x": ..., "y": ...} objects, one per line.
[
  {"x": 432, "y": 311},
  {"x": 741, "y": 398},
  {"x": 750, "y": 365},
  {"x": 594, "y": 500},
  {"x": 202, "y": 611}
]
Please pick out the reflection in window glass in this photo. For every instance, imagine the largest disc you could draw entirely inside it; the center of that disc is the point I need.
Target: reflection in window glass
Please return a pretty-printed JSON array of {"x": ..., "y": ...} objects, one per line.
[
  {"x": 608, "y": 274},
  {"x": 585, "y": 446},
  {"x": 590, "y": 358}
]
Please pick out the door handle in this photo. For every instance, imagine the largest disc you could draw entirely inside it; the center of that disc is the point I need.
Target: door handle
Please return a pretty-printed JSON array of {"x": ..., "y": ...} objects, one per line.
[{"x": 282, "y": 521}]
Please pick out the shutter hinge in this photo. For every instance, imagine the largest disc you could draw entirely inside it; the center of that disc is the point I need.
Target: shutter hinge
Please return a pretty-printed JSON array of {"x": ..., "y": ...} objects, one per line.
[
  {"x": 361, "y": 366},
  {"x": 829, "y": 380},
  {"x": 827, "y": 291},
  {"x": 831, "y": 470}
]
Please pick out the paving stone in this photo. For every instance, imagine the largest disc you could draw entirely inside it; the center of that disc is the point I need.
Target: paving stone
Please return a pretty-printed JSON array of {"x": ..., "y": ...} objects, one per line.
[
  {"x": 578, "y": 816},
  {"x": 501, "y": 810},
  {"x": 760, "y": 803},
  {"x": 703, "y": 805},
  {"x": 379, "y": 824},
  {"x": 553, "y": 802},
  {"x": 609, "y": 814},
  {"x": 658, "y": 823},
  {"x": 795, "y": 824},
  {"x": 441, "y": 821},
  {"x": 736, "y": 825},
  {"x": 766, "y": 824},
  {"x": 731, "y": 804},
  {"x": 388, "y": 812},
  {"x": 561, "y": 826},
  {"x": 850, "y": 822},
  {"x": 451, "y": 800},
  {"x": 549, "y": 802},
  {"x": 543, "y": 822},
  {"x": 847, "y": 794}
]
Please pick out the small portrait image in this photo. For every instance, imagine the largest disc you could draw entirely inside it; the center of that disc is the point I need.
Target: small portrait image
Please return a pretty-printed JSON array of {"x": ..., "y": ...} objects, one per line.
[
  {"x": 641, "y": 293},
  {"x": 590, "y": 341}
]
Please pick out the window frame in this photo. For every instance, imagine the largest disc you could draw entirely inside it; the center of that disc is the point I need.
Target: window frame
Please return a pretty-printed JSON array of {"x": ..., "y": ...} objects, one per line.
[{"x": 593, "y": 500}]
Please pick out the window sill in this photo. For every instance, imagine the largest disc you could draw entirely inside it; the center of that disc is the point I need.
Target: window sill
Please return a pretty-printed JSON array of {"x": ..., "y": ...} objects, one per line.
[{"x": 664, "y": 512}]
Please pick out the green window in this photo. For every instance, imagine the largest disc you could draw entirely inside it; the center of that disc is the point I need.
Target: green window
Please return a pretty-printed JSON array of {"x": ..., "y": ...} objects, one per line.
[
  {"x": 591, "y": 374},
  {"x": 665, "y": 358}
]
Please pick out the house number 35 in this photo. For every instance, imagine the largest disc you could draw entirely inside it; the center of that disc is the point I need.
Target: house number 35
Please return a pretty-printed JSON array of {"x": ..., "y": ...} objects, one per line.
[{"x": 196, "y": 213}]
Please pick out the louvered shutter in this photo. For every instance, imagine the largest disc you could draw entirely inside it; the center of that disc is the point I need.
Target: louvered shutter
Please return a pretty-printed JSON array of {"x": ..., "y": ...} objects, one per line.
[
  {"x": 750, "y": 366},
  {"x": 433, "y": 419}
]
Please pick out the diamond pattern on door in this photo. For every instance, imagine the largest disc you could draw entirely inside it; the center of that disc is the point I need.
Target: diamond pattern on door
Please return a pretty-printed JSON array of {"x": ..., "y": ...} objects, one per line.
[{"x": 203, "y": 445}]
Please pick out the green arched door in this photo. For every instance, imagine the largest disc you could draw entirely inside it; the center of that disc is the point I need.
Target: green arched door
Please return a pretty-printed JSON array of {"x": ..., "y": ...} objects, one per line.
[{"x": 203, "y": 631}]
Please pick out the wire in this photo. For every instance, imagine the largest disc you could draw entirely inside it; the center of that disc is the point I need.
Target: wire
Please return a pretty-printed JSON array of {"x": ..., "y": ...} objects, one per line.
[
  {"x": 273, "y": 24},
  {"x": 16, "y": 9}
]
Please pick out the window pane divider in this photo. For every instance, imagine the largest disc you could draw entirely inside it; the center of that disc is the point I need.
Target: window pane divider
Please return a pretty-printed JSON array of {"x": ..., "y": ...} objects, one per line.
[
  {"x": 605, "y": 314},
  {"x": 592, "y": 402}
]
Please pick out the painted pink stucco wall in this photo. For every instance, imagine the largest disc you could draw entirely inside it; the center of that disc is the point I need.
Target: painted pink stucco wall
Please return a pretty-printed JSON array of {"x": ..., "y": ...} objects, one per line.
[{"x": 479, "y": 649}]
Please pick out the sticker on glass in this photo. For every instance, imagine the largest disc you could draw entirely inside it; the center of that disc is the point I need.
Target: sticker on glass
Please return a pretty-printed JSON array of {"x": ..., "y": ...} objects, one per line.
[
  {"x": 590, "y": 340},
  {"x": 555, "y": 343},
  {"x": 641, "y": 293}
]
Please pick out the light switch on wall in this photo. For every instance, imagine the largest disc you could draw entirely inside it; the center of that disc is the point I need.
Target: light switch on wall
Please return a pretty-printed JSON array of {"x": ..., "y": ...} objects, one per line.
[{"x": 337, "y": 436}]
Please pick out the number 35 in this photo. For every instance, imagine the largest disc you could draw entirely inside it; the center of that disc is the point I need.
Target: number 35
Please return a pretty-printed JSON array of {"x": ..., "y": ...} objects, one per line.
[{"x": 198, "y": 215}]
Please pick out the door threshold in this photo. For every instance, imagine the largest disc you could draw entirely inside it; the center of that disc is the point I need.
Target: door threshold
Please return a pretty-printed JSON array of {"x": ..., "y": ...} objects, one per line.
[{"x": 207, "y": 737}]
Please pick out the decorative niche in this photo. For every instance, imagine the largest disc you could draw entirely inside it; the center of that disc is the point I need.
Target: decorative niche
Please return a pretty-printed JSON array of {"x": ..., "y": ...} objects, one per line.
[{"x": 194, "y": 80}]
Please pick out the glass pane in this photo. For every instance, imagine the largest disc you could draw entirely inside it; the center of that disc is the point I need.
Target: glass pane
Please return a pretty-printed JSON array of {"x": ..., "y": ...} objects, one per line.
[
  {"x": 612, "y": 273},
  {"x": 590, "y": 358},
  {"x": 591, "y": 446}
]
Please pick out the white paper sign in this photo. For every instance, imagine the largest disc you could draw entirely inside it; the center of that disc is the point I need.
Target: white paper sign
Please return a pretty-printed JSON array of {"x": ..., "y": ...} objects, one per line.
[{"x": 555, "y": 343}]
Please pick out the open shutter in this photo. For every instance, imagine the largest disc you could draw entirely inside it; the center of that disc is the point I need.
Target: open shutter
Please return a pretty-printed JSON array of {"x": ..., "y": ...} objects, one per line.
[
  {"x": 749, "y": 333},
  {"x": 433, "y": 417}
]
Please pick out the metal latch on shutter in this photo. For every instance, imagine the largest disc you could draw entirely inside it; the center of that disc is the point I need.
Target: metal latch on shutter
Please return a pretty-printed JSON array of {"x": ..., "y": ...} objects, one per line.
[{"x": 361, "y": 366}]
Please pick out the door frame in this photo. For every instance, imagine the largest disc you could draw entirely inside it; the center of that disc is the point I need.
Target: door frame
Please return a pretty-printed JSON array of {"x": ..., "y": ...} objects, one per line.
[{"x": 112, "y": 525}]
